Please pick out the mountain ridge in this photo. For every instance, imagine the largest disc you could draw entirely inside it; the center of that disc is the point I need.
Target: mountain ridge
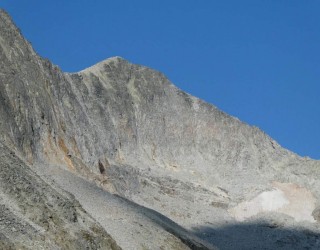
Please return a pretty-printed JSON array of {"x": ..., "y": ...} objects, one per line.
[{"x": 129, "y": 130}]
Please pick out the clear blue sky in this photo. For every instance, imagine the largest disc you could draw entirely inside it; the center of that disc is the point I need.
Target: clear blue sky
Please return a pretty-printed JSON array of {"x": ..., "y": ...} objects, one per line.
[{"x": 256, "y": 60}]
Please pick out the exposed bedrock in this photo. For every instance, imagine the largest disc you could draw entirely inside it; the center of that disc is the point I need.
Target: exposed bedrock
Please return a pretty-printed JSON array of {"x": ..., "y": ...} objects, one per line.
[{"x": 131, "y": 131}]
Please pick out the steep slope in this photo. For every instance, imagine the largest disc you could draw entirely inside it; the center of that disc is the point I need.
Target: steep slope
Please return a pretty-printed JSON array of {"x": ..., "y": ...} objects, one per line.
[
  {"x": 34, "y": 215},
  {"x": 37, "y": 121},
  {"x": 133, "y": 133},
  {"x": 171, "y": 151}
]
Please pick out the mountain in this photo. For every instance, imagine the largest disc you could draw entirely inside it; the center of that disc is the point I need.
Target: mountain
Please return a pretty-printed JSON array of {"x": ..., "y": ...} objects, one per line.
[{"x": 136, "y": 163}]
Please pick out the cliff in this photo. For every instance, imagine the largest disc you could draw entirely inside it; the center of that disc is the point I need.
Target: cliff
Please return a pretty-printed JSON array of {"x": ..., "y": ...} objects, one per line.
[{"x": 127, "y": 129}]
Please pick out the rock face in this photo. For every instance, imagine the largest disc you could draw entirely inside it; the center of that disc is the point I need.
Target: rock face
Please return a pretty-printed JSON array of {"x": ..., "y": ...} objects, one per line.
[
  {"x": 34, "y": 215},
  {"x": 127, "y": 129}
]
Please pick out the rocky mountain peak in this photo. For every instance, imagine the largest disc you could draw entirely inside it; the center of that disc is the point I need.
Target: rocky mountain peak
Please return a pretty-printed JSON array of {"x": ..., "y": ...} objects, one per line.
[
  {"x": 124, "y": 135},
  {"x": 100, "y": 66}
]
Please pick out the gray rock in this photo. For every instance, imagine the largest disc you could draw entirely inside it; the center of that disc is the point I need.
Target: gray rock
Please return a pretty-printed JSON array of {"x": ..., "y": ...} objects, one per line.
[
  {"x": 34, "y": 215},
  {"x": 126, "y": 128}
]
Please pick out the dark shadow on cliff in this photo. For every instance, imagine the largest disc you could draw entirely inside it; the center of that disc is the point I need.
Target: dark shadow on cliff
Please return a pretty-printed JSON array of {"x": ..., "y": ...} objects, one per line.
[{"x": 258, "y": 236}]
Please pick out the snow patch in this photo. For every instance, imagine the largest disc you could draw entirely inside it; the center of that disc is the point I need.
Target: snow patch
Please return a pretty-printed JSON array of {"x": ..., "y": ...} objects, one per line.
[{"x": 286, "y": 198}]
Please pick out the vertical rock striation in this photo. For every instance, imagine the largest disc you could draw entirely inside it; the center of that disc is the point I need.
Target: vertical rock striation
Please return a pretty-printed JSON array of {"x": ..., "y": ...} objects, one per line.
[{"x": 128, "y": 128}]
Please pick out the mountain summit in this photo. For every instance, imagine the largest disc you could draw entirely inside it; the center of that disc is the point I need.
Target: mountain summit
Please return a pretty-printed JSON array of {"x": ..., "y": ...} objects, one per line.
[{"x": 115, "y": 156}]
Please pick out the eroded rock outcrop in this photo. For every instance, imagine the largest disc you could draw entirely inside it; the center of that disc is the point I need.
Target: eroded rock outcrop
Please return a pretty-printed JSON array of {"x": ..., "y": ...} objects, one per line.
[
  {"x": 34, "y": 215},
  {"x": 130, "y": 130}
]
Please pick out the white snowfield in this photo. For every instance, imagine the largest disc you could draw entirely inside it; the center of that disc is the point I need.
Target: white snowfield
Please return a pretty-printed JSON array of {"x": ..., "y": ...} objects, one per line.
[{"x": 286, "y": 198}]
